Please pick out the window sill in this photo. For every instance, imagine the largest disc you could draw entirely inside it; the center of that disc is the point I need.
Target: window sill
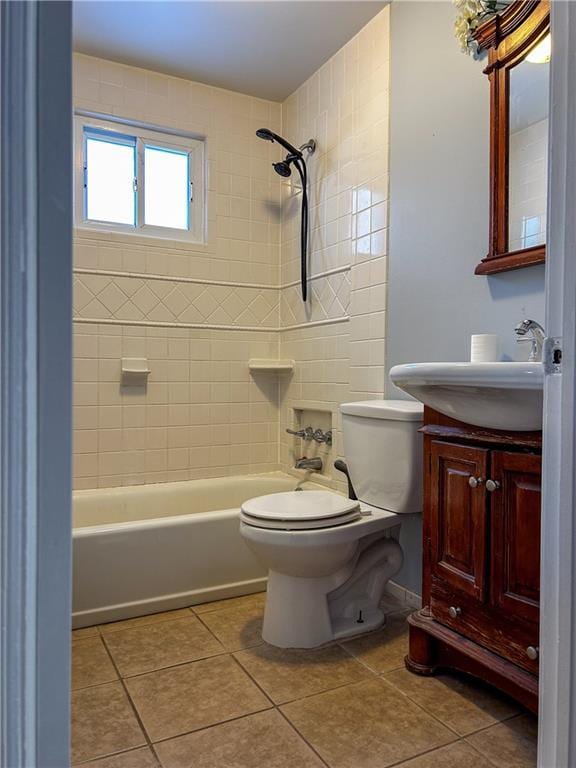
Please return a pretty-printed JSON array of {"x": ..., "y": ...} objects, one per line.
[{"x": 136, "y": 238}]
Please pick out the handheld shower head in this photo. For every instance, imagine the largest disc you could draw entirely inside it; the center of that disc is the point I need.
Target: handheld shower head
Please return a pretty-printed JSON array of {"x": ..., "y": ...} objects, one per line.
[
  {"x": 268, "y": 135},
  {"x": 264, "y": 133}
]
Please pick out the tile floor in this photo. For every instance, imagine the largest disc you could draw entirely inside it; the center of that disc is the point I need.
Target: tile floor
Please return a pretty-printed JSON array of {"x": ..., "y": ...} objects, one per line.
[{"x": 197, "y": 688}]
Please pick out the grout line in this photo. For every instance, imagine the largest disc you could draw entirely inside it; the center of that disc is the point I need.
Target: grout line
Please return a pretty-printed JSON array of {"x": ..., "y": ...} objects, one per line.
[
  {"x": 304, "y": 739},
  {"x": 92, "y": 760},
  {"x": 420, "y": 706},
  {"x": 213, "y": 725},
  {"x": 127, "y": 692},
  {"x": 276, "y": 708},
  {"x": 217, "y": 655},
  {"x": 430, "y": 751}
]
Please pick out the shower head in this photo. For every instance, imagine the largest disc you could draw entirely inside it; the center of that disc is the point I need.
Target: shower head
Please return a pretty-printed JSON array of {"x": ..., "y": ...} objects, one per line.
[
  {"x": 282, "y": 168},
  {"x": 265, "y": 133},
  {"x": 268, "y": 135}
]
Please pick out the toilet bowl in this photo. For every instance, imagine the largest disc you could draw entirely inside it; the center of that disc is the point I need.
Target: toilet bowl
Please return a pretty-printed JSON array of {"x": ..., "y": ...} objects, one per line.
[{"x": 329, "y": 558}]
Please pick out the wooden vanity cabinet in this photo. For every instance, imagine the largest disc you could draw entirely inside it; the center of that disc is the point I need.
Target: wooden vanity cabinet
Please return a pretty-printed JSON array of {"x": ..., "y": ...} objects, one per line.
[{"x": 481, "y": 556}]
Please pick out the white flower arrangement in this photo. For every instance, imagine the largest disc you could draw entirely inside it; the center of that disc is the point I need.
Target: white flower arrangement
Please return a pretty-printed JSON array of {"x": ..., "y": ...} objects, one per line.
[{"x": 471, "y": 13}]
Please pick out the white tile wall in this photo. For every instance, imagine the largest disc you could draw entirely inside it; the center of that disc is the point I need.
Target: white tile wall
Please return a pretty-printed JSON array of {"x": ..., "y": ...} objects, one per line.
[
  {"x": 344, "y": 106},
  {"x": 202, "y": 414},
  {"x": 528, "y": 183}
]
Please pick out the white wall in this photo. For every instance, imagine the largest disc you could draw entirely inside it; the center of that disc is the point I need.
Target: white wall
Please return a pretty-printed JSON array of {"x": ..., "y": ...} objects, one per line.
[{"x": 439, "y": 211}]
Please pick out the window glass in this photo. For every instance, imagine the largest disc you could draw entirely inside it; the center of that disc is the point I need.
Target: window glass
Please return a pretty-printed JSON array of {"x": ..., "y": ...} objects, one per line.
[
  {"x": 110, "y": 174},
  {"x": 167, "y": 198}
]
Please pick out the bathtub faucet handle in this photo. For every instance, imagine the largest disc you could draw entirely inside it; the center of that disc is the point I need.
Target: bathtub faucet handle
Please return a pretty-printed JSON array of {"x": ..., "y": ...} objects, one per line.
[
  {"x": 323, "y": 437},
  {"x": 304, "y": 434}
]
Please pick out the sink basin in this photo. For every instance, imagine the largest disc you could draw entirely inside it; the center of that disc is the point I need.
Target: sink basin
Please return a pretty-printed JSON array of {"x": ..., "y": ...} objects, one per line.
[{"x": 495, "y": 395}]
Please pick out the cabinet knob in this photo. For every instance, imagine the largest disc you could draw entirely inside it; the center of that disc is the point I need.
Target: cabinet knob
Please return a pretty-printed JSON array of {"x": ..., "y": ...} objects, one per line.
[
  {"x": 454, "y": 612},
  {"x": 532, "y": 652},
  {"x": 474, "y": 482},
  {"x": 492, "y": 485}
]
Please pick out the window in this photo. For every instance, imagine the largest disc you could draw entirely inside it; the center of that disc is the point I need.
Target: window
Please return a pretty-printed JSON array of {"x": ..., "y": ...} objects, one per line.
[
  {"x": 140, "y": 181},
  {"x": 533, "y": 231}
]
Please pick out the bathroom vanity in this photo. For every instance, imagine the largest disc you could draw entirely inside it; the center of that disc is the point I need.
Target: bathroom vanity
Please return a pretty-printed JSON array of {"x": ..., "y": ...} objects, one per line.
[{"x": 481, "y": 556}]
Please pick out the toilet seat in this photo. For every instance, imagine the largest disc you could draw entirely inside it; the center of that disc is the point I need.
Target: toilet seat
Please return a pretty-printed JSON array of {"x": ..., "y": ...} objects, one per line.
[{"x": 300, "y": 510}]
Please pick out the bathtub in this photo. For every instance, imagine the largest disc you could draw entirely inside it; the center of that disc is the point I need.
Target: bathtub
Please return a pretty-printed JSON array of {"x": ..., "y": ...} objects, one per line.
[{"x": 150, "y": 548}]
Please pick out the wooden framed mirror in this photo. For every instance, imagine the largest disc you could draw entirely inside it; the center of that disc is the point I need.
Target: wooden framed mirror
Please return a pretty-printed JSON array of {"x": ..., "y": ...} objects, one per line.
[{"x": 518, "y": 45}]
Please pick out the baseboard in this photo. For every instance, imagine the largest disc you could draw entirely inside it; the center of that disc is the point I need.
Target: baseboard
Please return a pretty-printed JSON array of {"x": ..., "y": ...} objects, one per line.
[
  {"x": 110, "y": 613},
  {"x": 410, "y": 599}
]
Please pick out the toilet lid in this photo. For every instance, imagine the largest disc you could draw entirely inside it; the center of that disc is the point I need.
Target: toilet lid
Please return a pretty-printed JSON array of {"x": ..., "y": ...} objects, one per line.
[
  {"x": 299, "y": 525},
  {"x": 315, "y": 508}
]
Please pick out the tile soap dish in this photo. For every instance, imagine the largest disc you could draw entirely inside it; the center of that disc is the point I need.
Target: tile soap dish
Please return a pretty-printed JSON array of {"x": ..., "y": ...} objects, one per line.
[
  {"x": 135, "y": 371},
  {"x": 263, "y": 365}
]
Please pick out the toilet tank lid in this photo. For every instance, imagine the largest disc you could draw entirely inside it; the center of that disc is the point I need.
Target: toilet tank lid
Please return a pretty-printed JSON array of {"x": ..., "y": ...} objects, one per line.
[{"x": 394, "y": 410}]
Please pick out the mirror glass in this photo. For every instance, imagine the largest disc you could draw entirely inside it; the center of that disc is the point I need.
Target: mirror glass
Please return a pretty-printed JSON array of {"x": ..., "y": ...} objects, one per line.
[{"x": 528, "y": 148}]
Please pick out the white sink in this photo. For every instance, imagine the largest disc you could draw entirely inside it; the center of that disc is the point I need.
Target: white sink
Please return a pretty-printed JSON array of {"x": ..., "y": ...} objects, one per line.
[{"x": 496, "y": 395}]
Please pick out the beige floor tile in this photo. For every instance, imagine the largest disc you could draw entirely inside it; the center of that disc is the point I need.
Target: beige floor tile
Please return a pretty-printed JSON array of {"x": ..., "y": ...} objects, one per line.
[
  {"x": 103, "y": 722},
  {"x": 288, "y": 674},
  {"x": 367, "y": 725},
  {"x": 154, "y": 646},
  {"x": 509, "y": 745},
  {"x": 390, "y": 604},
  {"x": 464, "y": 705},
  {"x": 458, "y": 755},
  {"x": 140, "y": 621},
  {"x": 91, "y": 664},
  {"x": 258, "y": 598},
  {"x": 236, "y": 628},
  {"x": 81, "y": 634},
  {"x": 136, "y": 758},
  {"x": 181, "y": 699},
  {"x": 385, "y": 649},
  {"x": 264, "y": 740}
]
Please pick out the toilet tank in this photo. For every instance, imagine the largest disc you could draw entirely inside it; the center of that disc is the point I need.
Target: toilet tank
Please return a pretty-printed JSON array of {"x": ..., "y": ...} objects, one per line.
[{"x": 383, "y": 451}]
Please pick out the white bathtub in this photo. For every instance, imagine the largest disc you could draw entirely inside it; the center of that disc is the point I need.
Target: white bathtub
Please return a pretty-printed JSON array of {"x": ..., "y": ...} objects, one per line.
[{"x": 149, "y": 548}]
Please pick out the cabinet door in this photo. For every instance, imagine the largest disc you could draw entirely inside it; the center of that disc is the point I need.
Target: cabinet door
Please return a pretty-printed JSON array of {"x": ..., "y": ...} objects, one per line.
[
  {"x": 458, "y": 517},
  {"x": 515, "y": 549}
]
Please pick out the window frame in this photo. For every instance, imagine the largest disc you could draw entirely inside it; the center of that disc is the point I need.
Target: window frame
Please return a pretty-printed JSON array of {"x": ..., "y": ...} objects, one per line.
[{"x": 141, "y": 135}]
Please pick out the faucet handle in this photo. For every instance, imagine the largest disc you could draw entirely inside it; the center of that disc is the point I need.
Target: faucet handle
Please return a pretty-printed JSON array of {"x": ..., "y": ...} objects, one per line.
[
  {"x": 304, "y": 434},
  {"x": 534, "y": 348}
]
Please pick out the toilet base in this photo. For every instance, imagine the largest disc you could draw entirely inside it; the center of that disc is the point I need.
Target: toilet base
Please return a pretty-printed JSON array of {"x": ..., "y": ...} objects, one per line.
[{"x": 308, "y": 612}]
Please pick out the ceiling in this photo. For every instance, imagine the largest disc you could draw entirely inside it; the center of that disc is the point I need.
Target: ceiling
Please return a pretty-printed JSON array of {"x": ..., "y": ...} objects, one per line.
[
  {"x": 529, "y": 84},
  {"x": 265, "y": 48}
]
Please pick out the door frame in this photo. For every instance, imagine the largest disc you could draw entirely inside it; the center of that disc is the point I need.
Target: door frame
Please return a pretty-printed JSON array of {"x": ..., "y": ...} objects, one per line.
[
  {"x": 35, "y": 382},
  {"x": 557, "y": 732}
]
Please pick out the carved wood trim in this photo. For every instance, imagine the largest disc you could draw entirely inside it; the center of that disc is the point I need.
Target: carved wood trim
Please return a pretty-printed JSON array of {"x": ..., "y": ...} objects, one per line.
[
  {"x": 434, "y": 647},
  {"x": 507, "y": 37}
]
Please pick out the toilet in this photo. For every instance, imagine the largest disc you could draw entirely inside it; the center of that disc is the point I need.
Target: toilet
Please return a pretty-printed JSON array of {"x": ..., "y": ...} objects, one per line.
[{"x": 329, "y": 557}]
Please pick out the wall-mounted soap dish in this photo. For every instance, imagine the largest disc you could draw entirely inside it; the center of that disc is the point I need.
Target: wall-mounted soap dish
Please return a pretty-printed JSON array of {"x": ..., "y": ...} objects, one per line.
[
  {"x": 135, "y": 371},
  {"x": 264, "y": 365}
]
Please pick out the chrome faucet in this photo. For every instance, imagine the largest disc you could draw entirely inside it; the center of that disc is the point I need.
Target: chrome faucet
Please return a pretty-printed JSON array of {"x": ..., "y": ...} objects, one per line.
[
  {"x": 538, "y": 337},
  {"x": 309, "y": 434},
  {"x": 314, "y": 464}
]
